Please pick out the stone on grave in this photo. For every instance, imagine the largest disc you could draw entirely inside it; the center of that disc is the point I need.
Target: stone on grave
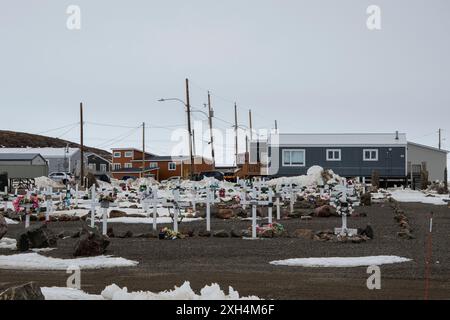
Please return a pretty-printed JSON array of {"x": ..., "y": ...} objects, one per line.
[
  {"x": 91, "y": 243},
  {"x": 221, "y": 234},
  {"x": 117, "y": 214},
  {"x": 37, "y": 237},
  {"x": 225, "y": 214},
  {"x": 3, "y": 226},
  {"x": 28, "y": 291}
]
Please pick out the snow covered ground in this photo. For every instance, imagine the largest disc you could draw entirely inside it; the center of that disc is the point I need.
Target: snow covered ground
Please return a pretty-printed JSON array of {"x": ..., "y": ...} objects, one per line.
[
  {"x": 408, "y": 195},
  {"x": 144, "y": 220},
  {"x": 35, "y": 261},
  {"x": 7, "y": 243},
  {"x": 339, "y": 262},
  {"x": 114, "y": 292}
]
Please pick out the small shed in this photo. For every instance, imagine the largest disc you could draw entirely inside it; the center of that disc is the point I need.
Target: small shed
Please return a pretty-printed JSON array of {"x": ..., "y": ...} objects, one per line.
[{"x": 21, "y": 166}]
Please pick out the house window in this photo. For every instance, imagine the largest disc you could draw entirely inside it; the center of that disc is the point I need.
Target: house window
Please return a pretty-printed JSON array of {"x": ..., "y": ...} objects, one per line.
[
  {"x": 294, "y": 158},
  {"x": 128, "y": 165},
  {"x": 370, "y": 154},
  {"x": 172, "y": 166},
  {"x": 117, "y": 154},
  {"x": 129, "y": 154},
  {"x": 92, "y": 166},
  {"x": 102, "y": 167},
  {"x": 333, "y": 154},
  {"x": 117, "y": 166},
  {"x": 153, "y": 165}
]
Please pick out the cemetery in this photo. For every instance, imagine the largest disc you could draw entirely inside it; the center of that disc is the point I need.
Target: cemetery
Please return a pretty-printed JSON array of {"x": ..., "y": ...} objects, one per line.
[{"x": 310, "y": 236}]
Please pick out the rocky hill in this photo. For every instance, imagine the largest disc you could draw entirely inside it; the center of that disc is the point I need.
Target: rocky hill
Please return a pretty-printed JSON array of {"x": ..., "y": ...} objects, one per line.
[{"x": 11, "y": 139}]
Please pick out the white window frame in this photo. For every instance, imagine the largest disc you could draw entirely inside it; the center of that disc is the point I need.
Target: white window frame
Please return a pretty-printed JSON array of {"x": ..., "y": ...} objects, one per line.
[
  {"x": 128, "y": 165},
  {"x": 117, "y": 154},
  {"x": 370, "y": 150},
  {"x": 103, "y": 167},
  {"x": 92, "y": 166},
  {"x": 153, "y": 165},
  {"x": 117, "y": 166},
  {"x": 168, "y": 166},
  {"x": 128, "y": 154},
  {"x": 293, "y": 165},
  {"x": 334, "y": 150}
]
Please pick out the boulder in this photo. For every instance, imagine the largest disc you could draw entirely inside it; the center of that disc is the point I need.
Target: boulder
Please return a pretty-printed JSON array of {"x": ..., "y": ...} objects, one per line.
[
  {"x": 405, "y": 234},
  {"x": 323, "y": 211},
  {"x": 241, "y": 213},
  {"x": 148, "y": 235},
  {"x": 91, "y": 243},
  {"x": 187, "y": 232},
  {"x": 366, "y": 199},
  {"x": 127, "y": 234},
  {"x": 368, "y": 231},
  {"x": 225, "y": 214},
  {"x": 117, "y": 214},
  {"x": 28, "y": 291},
  {"x": 3, "y": 226},
  {"x": 221, "y": 234},
  {"x": 236, "y": 233},
  {"x": 133, "y": 206},
  {"x": 204, "y": 233},
  {"x": 37, "y": 237},
  {"x": 303, "y": 233}
]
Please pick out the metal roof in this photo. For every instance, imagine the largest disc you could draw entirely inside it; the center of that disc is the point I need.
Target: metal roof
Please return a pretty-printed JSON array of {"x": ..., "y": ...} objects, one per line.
[
  {"x": 44, "y": 152},
  {"x": 427, "y": 147},
  {"x": 18, "y": 156},
  {"x": 338, "y": 139}
]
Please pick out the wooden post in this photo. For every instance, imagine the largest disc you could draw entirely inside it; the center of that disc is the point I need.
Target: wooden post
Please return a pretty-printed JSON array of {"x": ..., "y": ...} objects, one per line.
[
  {"x": 208, "y": 209},
  {"x": 143, "y": 149},
  {"x": 155, "y": 206},
  {"x": 188, "y": 110},
  {"x": 210, "y": 115},
  {"x": 269, "y": 209},
  {"x": 93, "y": 198},
  {"x": 254, "y": 214},
  {"x": 81, "y": 144},
  {"x": 235, "y": 134}
]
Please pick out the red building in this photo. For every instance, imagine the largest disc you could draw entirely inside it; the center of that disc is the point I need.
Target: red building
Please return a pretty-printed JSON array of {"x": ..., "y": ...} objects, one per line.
[{"x": 127, "y": 162}]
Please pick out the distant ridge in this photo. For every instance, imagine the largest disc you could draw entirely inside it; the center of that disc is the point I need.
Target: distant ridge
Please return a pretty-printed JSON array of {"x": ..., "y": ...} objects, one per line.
[{"x": 12, "y": 139}]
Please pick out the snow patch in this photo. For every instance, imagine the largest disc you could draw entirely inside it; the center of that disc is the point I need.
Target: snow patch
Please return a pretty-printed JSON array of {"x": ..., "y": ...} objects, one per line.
[
  {"x": 114, "y": 292},
  {"x": 339, "y": 262},
  {"x": 35, "y": 261},
  {"x": 8, "y": 243}
]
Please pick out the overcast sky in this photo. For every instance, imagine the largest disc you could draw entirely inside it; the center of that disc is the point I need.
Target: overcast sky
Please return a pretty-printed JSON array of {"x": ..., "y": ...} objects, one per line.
[{"x": 312, "y": 65}]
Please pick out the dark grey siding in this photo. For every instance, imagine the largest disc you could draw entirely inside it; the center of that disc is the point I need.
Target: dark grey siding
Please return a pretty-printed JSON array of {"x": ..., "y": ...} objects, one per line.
[
  {"x": 391, "y": 161},
  {"x": 93, "y": 159}
]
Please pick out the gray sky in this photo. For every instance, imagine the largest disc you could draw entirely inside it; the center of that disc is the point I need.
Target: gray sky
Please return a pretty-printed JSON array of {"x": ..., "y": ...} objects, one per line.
[{"x": 312, "y": 65}]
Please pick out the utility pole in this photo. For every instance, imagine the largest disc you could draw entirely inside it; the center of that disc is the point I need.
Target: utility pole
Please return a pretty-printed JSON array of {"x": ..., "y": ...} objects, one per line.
[
  {"x": 210, "y": 115},
  {"x": 236, "y": 133},
  {"x": 193, "y": 142},
  {"x": 440, "y": 140},
  {"x": 188, "y": 110},
  {"x": 81, "y": 145},
  {"x": 143, "y": 149},
  {"x": 250, "y": 123},
  {"x": 276, "y": 126}
]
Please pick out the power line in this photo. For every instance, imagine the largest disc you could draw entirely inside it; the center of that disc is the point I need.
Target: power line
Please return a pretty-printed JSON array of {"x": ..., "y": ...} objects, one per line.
[{"x": 59, "y": 128}]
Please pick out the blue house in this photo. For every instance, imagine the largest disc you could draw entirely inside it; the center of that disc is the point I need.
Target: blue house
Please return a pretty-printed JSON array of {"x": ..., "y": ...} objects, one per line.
[{"x": 349, "y": 155}]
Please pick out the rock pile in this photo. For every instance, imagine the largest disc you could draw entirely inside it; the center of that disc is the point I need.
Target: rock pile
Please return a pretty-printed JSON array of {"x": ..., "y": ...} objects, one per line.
[
  {"x": 403, "y": 222},
  {"x": 91, "y": 242},
  {"x": 3, "y": 226},
  {"x": 37, "y": 237},
  {"x": 28, "y": 291}
]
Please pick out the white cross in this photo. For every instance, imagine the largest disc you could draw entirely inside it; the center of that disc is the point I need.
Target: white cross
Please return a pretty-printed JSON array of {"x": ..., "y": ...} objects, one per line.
[{"x": 254, "y": 202}]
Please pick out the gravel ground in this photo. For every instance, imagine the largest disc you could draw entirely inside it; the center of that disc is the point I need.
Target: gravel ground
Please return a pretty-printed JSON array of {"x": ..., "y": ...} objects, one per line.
[{"x": 244, "y": 264}]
